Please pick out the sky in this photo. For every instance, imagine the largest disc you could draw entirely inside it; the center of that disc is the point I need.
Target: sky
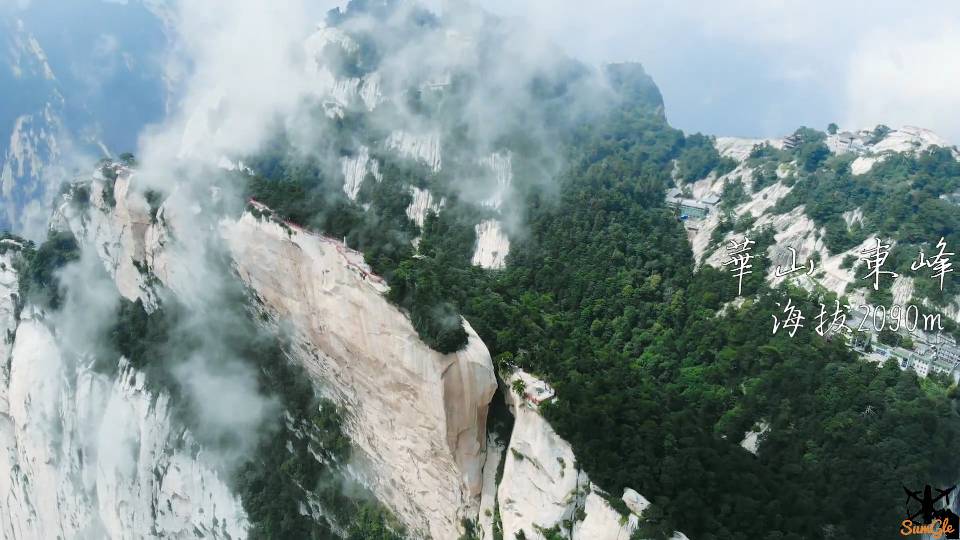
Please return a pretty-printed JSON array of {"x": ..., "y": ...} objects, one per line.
[{"x": 762, "y": 68}]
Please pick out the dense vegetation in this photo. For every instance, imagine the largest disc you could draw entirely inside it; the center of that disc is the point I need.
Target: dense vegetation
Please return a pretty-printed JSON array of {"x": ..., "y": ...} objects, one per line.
[
  {"x": 699, "y": 157},
  {"x": 660, "y": 374},
  {"x": 657, "y": 390},
  {"x": 383, "y": 232},
  {"x": 37, "y": 268},
  {"x": 600, "y": 298}
]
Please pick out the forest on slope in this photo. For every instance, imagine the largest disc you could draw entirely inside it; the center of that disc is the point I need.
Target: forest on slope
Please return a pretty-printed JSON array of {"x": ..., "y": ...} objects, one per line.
[
  {"x": 659, "y": 375},
  {"x": 600, "y": 298}
]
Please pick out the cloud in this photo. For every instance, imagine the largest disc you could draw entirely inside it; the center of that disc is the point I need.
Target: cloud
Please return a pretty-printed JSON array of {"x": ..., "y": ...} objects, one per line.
[
  {"x": 914, "y": 81},
  {"x": 13, "y": 5},
  {"x": 762, "y": 67},
  {"x": 247, "y": 71},
  {"x": 89, "y": 307},
  {"x": 244, "y": 68},
  {"x": 748, "y": 67},
  {"x": 228, "y": 405}
]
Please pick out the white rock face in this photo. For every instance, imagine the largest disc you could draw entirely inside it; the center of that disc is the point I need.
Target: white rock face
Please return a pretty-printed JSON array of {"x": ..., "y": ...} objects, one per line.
[
  {"x": 338, "y": 94},
  {"x": 367, "y": 89},
  {"x": 492, "y": 245},
  {"x": 330, "y": 35},
  {"x": 29, "y": 136},
  {"x": 751, "y": 439},
  {"x": 739, "y": 148},
  {"x": 542, "y": 481},
  {"x": 863, "y": 164},
  {"x": 793, "y": 229},
  {"x": 170, "y": 489},
  {"x": 123, "y": 234},
  {"x": 906, "y": 139},
  {"x": 419, "y": 422},
  {"x": 30, "y": 150},
  {"x": 764, "y": 200},
  {"x": 417, "y": 417},
  {"x": 355, "y": 169},
  {"x": 422, "y": 147},
  {"x": 422, "y": 203},
  {"x": 84, "y": 456},
  {"x": 796, "y": 230},
  {"x": 227, "y": 164},
  {"x": 636, "y": 502},
  {"x": 27, "y": 57},
  {"x": 602, "y": 522},
  {"x": 909, "y": 139},
  {"x": 9, "y": 293},
  {"x": 902, "y": 290},
  {"x": 488, "y": 495},
  {"x": 135, "y": 248},
  {"x": 758, "y": 204},
  {"x": 853, "y": 217},
  {"x": 543, "y": 486},
  {"x": 501, "y": 165}
]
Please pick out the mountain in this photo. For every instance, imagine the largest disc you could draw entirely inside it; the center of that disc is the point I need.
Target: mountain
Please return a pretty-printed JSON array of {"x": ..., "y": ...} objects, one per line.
[
  {"x": 831, "y": 198},
  {"x": 72, "y": 91},
  {"x": 436, "y": 286}
]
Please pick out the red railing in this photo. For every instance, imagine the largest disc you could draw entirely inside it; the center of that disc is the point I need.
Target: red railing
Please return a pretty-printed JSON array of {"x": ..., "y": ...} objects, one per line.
[{"x": 344, "y": 251}]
